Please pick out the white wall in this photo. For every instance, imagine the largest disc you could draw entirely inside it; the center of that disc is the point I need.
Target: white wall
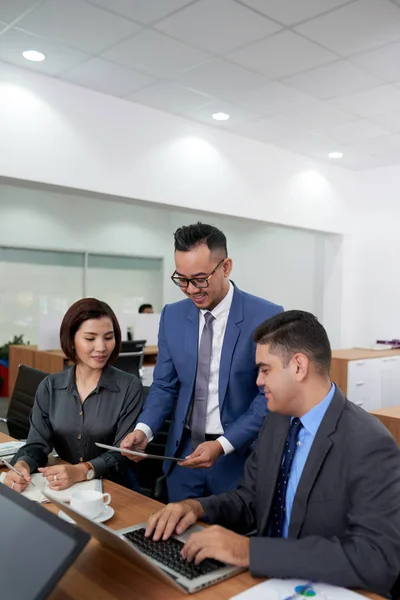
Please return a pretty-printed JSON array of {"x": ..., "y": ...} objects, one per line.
[
  {"x": 284, "y": 265},
  {"x": 55, "y": 132}
]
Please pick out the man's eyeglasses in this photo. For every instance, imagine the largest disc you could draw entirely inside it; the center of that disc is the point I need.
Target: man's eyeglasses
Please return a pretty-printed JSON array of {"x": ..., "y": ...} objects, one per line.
[{"x": 197, "y": 282}]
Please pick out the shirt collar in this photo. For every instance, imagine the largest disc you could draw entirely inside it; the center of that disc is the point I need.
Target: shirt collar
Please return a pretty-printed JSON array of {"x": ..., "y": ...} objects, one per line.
[
  {"x": 224, "y": 306},
  {"x": 313, "y": 418},
  {"x": 66, "y": 379}
]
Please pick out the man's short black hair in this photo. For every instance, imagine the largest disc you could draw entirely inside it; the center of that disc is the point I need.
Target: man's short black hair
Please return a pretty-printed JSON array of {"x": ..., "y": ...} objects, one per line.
[
  {"x": 143, "y": 307},
  {"x": 188, "y": 237},
  {"x": 296, "y": 331}
]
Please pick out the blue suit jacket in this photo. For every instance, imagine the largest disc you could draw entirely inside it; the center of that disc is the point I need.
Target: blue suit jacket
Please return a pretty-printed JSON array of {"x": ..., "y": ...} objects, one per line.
[{"x": 242, "y": 406}]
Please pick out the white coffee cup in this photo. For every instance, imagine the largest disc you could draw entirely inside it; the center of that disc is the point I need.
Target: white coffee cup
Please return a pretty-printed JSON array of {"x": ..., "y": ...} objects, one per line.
[{"x": 89, "y": 503}]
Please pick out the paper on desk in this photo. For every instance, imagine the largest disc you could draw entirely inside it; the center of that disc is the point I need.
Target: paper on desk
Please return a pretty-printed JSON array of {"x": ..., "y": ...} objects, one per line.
[
  {"x": 35, "y": 492},
  {"x": 282, "y": 589},
  {"x": 10, "y": 448}
]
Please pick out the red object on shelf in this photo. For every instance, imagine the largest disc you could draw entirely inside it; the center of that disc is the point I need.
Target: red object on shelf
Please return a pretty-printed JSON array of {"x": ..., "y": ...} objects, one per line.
[{"x": 4, "y": 386}]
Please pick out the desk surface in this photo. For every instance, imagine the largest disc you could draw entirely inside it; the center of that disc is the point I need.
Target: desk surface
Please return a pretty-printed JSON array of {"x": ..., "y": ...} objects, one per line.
[
  {"x": 99, "y": 574},
  {"x": 390, "y": 411},
  {"x": 363, "y": 354}
]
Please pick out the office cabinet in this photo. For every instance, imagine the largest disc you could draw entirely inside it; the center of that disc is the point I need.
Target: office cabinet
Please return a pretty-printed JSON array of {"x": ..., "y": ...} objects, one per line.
[
  {"x": 390, "y": 381},
  {"x": 370, "y": 379},
  {"x": 363, "y": 383}
]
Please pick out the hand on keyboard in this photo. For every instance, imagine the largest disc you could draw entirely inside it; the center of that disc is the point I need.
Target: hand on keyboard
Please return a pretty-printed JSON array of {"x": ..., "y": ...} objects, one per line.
[{"x": 174, "y": 518}]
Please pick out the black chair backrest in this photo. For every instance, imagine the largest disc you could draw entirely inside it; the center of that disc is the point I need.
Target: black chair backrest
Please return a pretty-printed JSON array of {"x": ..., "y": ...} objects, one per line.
[
  {"x": 22, "y": 400},
  {"x": 131, "y": 362},
  {"x": 133, "y": 346},
  {"x": 149, "y": 473}
]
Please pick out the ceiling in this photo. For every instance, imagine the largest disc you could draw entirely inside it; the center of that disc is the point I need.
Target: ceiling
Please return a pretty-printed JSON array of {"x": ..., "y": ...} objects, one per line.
[{"x": 310, "y": 76}]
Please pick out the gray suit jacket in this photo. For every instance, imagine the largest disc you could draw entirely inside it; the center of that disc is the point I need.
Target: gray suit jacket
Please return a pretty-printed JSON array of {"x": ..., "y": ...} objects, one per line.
[{"x": 345, "y": 522}]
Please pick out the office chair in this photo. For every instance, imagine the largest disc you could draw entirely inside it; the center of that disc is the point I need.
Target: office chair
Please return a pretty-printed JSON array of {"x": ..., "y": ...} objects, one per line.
[
  {"x": 22, "y": 400},
  {"x": 131, "y": 357},
  {"x": 133, "y": 346},
  {"x": 149, "y": 473}
]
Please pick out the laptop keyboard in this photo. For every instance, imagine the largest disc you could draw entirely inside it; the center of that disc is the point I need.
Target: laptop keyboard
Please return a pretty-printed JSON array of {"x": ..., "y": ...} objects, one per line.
[{"x": 169, "y": 554}]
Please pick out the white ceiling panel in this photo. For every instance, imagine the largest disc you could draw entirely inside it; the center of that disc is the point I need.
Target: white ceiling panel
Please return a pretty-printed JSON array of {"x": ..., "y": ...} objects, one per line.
[
  {"x": 10, "y": 10},
  {"x": 336, "y": 79},
  {"x": 271, "y": 98},
  {"x": 313, "y": 115},
  {"x": 170, "y": 97},
  {"x": 268, "y": 130},
  {"x": 351, "y": 132},
  {"x": 383, "y": 62},
  {"x": 104, "y": 76},
  {"x": 384, "y": 145},
  {"x": 238, "y": 116},
  {"x": 281, "y": 55},
  {"x": 221, "y": 78},
  {"x": 389, "y": 121},
  {"x": 290, "y": 12},
  {"x": 357, "y": 27},
  {"x": 371, "y": 102},
  {"x": 307, "y": 142},
  {"x": 78, "y": 24},
  {"x": 156, "y": 53},
  {"x": 58, "y": 57},
  {"x": 142, "y": 11},
  {"x": 218, "y": 26}
]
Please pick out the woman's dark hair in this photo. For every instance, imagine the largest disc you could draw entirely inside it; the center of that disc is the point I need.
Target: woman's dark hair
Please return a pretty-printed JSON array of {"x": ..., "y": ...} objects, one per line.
[
  {"x": 78, "y": 313},
  {"x": 188, "y": 237}
]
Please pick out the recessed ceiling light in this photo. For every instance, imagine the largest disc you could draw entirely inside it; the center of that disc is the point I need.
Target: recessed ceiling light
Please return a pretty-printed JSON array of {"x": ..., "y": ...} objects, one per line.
[
  {"x": 220, "y": 116},
  {"x": 335, "y": 154},
  {"x": 33, "y": 55}
]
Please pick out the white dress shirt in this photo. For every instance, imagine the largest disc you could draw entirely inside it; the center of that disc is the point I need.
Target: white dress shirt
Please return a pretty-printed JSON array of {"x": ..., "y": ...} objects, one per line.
[{"x": 213, "y": 418}]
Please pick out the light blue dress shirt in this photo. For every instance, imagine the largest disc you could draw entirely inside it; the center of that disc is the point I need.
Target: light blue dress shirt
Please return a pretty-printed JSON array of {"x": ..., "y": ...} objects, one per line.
[{"x": 311, "y": 422}]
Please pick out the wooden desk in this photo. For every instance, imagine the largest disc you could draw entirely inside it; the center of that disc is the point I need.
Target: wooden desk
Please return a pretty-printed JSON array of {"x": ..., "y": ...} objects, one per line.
[
  {"x": 99, "y": 574},
  {"x": 390, "y": 417}
]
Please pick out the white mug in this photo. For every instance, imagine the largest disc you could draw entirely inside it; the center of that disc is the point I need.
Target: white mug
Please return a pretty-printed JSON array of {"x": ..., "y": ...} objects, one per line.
[{"x": 89, "y": 503}]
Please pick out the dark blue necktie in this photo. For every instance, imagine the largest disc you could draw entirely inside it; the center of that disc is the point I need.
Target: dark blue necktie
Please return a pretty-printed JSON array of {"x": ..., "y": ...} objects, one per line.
[{"x": 277, "y": 515}]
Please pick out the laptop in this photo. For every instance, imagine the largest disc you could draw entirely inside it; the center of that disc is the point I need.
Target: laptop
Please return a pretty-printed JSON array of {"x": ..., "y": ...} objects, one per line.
[
  {"x": 37, "y": 544},
  {"x": 161, "y": 558}
]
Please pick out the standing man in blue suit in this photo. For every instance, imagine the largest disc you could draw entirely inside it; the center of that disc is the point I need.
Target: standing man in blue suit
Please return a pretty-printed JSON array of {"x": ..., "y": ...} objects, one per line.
[{"x": 205, "y": 375}]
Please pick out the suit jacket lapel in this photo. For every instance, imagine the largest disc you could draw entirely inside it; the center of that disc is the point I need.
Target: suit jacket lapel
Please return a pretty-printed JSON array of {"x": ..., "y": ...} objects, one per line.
[
  {"x": 232, "y": 333},
  {"x": 192, "y": 346},
  {"x": 276, "y": 434},
  {"x": 318, "y": 453}
]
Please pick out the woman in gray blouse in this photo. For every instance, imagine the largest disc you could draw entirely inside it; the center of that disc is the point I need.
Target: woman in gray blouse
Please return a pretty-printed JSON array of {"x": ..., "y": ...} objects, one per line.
[{"x": 87, "y": 403}]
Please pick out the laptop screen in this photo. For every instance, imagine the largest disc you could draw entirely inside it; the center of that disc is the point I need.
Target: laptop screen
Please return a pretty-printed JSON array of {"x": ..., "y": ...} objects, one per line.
[{"x": 36, "y": 547}]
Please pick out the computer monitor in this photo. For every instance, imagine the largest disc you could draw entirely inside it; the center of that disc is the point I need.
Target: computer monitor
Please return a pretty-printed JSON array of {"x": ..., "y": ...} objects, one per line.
[{"x": 37, "y": 547}]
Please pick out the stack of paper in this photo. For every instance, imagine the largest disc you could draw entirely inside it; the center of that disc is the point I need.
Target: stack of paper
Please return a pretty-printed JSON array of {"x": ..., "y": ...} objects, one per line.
[
  {"x": 8, "y": 449},
  {"x": 294, "y": 589},
  {"x": 35, "y": 492}
]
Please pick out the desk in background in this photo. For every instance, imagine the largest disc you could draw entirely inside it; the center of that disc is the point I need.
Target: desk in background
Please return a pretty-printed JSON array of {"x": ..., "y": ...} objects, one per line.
[
  {"x": 390, "y": 417},
  {"x": 369, "y": 378},
  {"x": 101, "y": 574},
  {"x": 52, "y": 361}
]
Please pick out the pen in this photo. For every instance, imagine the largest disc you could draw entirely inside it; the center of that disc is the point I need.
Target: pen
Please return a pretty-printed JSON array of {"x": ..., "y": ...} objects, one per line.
[{"x": 15, "y": 470}]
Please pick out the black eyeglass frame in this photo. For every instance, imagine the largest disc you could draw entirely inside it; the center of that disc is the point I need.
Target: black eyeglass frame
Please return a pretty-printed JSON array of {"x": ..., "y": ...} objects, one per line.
[{"x": 177, "y": 279}]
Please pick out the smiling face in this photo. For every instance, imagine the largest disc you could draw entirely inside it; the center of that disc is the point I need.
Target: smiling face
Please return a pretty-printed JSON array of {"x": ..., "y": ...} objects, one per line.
[
  {"x": 94, "y": 342},
  {"x": 199, "y": 263},
  {"x": 280, "y": 379}
]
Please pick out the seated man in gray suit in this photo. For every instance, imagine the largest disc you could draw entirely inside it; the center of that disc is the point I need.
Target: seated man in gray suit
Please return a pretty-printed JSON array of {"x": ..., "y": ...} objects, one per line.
[{"x": 321, "y": 491}]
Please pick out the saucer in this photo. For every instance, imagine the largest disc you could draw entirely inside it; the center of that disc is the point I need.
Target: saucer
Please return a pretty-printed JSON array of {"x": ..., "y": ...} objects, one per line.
[{"x": 107, "y": 513}]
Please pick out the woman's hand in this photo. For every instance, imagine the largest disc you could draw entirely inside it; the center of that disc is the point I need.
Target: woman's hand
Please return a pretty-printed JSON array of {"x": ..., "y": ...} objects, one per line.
[
  {"x": 61, "y": 477},
  {"x": 16, "y": 482}
]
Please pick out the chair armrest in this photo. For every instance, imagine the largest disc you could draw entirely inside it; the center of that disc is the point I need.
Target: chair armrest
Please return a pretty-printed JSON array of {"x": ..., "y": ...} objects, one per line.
[{"x": 3, "y": 420}]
